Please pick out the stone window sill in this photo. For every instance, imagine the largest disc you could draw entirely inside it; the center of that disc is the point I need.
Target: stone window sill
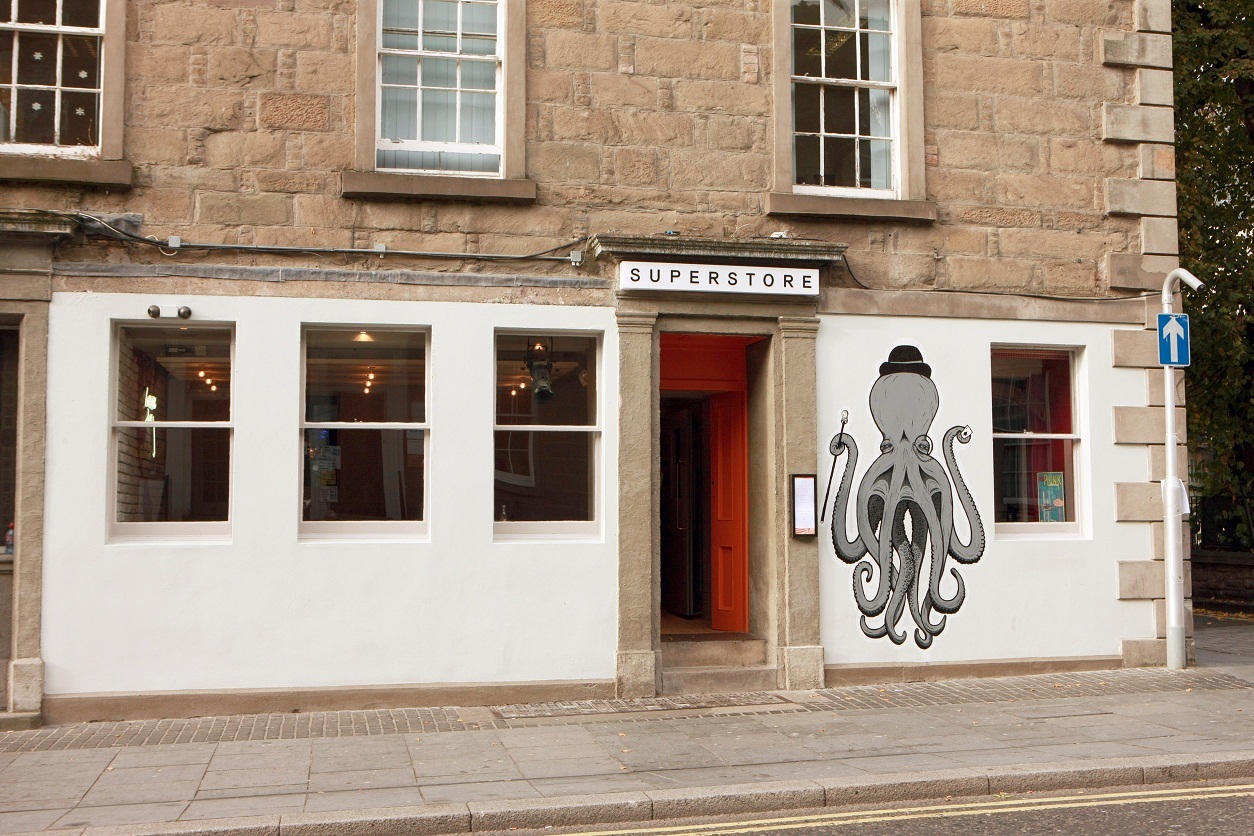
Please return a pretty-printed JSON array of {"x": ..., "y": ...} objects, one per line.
[
  {"x": 850, "y": 208},
  {"x": 102, "y": 173},
  {"x": 380, "y": 185}
]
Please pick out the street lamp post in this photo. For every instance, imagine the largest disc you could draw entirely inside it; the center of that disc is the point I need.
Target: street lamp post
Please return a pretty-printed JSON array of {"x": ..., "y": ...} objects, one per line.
[{"x": 1172, "y": 553}]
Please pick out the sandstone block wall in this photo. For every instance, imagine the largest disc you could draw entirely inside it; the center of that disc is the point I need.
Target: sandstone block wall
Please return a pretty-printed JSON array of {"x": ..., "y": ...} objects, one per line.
[{"x": 1045, "y": 124}]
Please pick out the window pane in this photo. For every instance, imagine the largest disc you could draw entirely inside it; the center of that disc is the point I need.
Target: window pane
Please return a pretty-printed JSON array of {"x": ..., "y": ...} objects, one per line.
[
  {"x": 37, "y": 59},
  {"x": 838, "y": 13},
  {"x": 6, "y": 56},
  {"x": 400, "y": 69},
  {"x": 805, "y": 11},
  {"x": 838, "y": 110},
  {"x": 84, "y": 13},
  {"x": 398, "y": 116},
  {"x": 842, "y": 56},
  {"x": 876, "y": 164},
  {"x": 36, "y": 112},
  {"x": 439, "y": 16},
  {"x": 479, "y": 18},
  {"x": 168, "y": 374},
  {"x": 544, "y": 476},
  {"x": 545, "y": 379},
  {"x": 365, "y": 474},
  {"x": 805, "y": 108},
  {"x": 391, "y": 40},
  {"x": 438, "y": 115},
  {"x": 478, "y": 118},
  {"x": 37, "y": 11},
  {"x": 479, "y": 75},
  {"x": 80, "y": 62},
  {"x": 6, "y": 111},
  {"x": 438, "y": 161},
  {"x": 807, "y": 57},
  {"x": 173, "y": 474},
  {"x": 349, "y": 378},
  {"x": 1035, "y": 480},
  {"x": 400, "y": 14},
  {"x": 875, "y": 112},
  {"x": 877, "y": 57},
  {"x": 78, "y": 118},
  {"x": 478, "y": 45},
  {"x": 806, "y": 161},
  {"x": 1031, "y": 391},
  {"x": 875, "y": 14},
  {"x": 838, "y": 162},
  {"x": 439, "y": 72}
]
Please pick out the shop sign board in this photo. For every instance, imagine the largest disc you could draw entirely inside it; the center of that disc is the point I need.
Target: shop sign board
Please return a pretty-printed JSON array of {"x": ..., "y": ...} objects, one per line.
[{"x": 718, "y": 278}]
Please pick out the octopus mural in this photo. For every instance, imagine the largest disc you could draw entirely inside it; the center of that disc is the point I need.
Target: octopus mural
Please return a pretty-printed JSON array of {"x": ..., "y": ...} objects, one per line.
[{"x": 904, "y": 508}]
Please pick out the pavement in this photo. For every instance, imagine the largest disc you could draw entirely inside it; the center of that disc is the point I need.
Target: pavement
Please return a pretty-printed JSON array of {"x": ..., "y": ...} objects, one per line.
[{"x": 453, "y": 770}]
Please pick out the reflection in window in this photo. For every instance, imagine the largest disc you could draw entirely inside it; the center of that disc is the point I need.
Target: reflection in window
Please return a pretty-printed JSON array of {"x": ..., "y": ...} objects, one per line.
[
  {"x": 364, "y": 432},
  {"x": 1034, "y": 438},
  {"x": 546, "y": 419},
  {"x": 172, "y": 424}
]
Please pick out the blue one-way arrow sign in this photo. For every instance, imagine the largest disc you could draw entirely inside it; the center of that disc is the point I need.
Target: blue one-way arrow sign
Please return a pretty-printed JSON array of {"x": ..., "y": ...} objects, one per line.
[{"x": 1173, "y": 339}]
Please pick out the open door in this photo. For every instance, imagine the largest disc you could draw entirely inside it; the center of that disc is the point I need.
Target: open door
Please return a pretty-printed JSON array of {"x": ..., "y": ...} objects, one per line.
[
  {"x": 729, "y": 512},
  {"x": 680, "y": 489}
]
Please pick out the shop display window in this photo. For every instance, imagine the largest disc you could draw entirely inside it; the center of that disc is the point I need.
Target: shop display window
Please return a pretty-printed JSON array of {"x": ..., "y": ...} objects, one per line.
[
  {"x": 364, "y": 431},
  {"x": 172, "y": 426},
  {"x": 547, "y": 430},
  {"x": 1035, "y": 436}
]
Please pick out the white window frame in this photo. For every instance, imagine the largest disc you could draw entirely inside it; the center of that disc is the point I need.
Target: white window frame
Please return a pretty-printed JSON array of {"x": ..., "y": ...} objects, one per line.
[
  {"x": 513, "y": 530},
  {"x": 418, "y": 145},
  {"x": 908, "y": 147},
  {"x": 111, "y": 79},
  {"x": 164, "y": 530},
  {"x": 338, "y": 530},
  {"x": 892, "y": 86},
  {"x": 1075, "y": 526}
]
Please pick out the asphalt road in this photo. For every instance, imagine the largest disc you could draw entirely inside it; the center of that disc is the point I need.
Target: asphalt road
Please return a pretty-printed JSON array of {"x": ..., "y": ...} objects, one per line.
[{"x": 1196, "y": 810}]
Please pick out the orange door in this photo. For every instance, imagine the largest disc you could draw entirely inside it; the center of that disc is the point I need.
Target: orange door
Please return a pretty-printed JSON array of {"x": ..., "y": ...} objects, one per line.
[{"x": 729, "y": 512}]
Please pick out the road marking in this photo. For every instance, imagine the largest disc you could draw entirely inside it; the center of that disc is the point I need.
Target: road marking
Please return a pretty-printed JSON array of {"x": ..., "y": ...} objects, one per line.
[{"x": 977, "y": 808}]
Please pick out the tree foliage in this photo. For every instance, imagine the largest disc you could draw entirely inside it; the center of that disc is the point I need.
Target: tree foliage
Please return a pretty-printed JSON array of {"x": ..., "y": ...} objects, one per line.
[{"x": 1214, "y": 100}]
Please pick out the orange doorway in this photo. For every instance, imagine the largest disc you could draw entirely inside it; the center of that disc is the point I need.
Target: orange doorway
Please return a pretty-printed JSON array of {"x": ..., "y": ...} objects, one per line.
[{"x": 705, "y": 480}]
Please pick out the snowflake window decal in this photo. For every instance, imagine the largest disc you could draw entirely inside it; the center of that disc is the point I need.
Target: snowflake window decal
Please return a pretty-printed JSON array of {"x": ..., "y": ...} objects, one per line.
[
  {"x": 36, "y": 106},
  {"x": 38, "y": 56},
  {"x": 78, "y": 111},
  {"x": 82, "y": 74}
]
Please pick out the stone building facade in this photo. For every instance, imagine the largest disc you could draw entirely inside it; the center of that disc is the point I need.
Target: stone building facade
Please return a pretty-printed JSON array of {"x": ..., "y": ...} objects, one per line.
[{"x": 988, "y": 181}]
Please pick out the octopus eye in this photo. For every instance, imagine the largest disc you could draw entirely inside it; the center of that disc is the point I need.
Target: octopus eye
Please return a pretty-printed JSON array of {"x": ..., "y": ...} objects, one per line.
[
  {"x": 886, "y": 446},
  {"x": 923, "y": 445}
]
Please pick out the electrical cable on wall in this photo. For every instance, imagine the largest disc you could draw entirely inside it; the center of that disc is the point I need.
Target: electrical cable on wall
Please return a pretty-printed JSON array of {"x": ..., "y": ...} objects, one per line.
[{"x": 174, "y": 244}]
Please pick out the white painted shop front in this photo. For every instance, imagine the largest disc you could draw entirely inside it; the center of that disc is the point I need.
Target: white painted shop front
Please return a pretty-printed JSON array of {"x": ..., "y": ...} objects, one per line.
[{"x": 473, "y": 603}]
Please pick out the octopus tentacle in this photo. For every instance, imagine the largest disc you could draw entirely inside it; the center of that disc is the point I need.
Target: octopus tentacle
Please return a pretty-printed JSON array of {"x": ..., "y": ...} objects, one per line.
[
  {"x": 896, "y": 541},
  {"x": 972, "y": 551},
  {"x": 846, "y": 549}
]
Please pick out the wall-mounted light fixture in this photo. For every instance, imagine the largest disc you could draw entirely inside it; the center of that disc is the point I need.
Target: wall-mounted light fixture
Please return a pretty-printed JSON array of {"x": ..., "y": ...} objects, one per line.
[
  {"x": 363, "y": 337},
  {"x": 540, "y": 367},
  {"x": 169, "y": 312}
]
